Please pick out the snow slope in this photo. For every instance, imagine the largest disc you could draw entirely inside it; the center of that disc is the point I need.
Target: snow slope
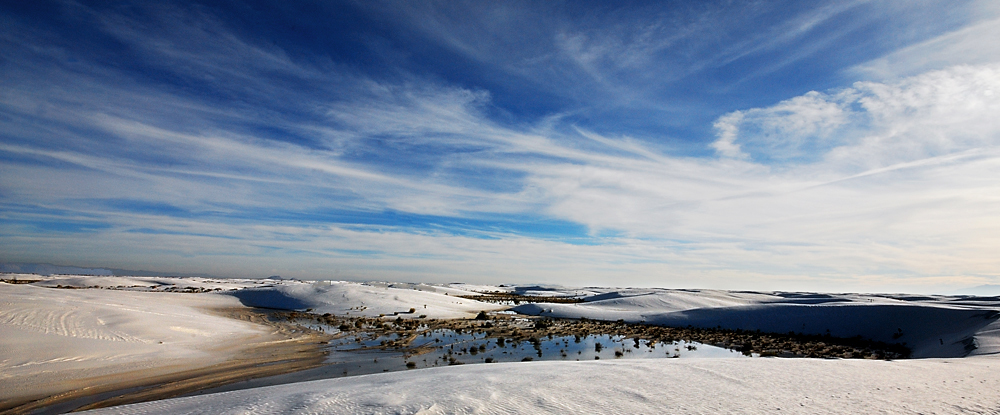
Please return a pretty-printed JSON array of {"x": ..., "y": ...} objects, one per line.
[
  {"x": 696, "y": 386},
  {"x": 932, "y": 326},
  {"x": 50, "y": 336},
  {"x": 365, "y": 299}
]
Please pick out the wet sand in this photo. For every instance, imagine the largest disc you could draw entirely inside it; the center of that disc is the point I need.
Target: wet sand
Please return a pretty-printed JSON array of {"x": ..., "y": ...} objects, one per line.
[{"x": 287, "y": 348}]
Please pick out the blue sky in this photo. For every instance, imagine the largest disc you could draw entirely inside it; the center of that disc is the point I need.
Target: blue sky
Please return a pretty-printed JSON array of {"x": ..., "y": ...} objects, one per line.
[{"x": 841, "y": 146}]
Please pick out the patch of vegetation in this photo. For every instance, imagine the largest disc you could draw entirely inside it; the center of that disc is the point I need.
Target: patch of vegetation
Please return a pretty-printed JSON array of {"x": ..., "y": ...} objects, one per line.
[
  {"x": 510, "y": 330},
  {"x": 17, "y": 281},
  {"x": 499, "y": 297}
]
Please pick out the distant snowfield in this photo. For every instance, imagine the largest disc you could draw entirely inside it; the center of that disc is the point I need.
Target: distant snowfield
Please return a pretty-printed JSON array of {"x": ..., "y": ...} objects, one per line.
[{"x": 48, "y": 334}]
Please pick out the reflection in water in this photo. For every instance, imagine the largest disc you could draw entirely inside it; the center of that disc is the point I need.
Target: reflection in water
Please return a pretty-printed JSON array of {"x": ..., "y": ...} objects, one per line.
[{"x": 358, "y": 353}]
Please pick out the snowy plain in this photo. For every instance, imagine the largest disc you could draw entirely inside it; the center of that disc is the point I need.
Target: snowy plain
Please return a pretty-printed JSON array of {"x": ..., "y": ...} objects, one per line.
[{"x": 51, "y": 333}]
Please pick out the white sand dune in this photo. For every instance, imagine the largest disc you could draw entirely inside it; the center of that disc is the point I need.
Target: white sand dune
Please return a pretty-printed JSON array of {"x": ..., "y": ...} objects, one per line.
[
  {"x": 51, "y": 336},
  {"x": 365, "y": 299},
  {"x": 932, "y": 326},
  {"x": 677, "y": 386}
]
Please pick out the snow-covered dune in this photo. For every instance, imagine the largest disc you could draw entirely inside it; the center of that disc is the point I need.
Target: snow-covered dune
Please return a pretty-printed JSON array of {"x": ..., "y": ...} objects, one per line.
[
  {"x": 365, "y": 299},
  {"x": 932, "y": 326},
  {"x": 50, "y": 338},
  {"x": 697, "y": 386}
]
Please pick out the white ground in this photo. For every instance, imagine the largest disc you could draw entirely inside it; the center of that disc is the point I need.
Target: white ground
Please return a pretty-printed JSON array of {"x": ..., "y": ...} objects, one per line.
[
  {"x": 702, "y": 386},
  {"x": 51, "y": 336},
  {"x": 48, "y": 334}
]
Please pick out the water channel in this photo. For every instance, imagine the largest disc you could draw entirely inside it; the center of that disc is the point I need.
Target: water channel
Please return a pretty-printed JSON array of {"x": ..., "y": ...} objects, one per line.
[{"x": 354, "y": 353}]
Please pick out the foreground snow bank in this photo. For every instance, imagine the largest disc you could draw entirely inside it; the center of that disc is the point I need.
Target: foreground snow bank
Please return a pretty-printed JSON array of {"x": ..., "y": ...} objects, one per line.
[
  {"x": 50, "y": 338},
  {"x": 648, "y": 386}
]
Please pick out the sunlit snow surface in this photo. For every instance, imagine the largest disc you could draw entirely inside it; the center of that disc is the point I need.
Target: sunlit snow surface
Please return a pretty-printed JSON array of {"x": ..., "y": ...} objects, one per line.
[
  {"x": 708, "y": 386},
  {"x": 48, "y": 335}
]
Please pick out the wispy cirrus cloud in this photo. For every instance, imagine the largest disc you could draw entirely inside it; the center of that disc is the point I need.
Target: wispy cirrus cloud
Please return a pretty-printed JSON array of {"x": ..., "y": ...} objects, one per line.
[{"x": 215, "y": 149}]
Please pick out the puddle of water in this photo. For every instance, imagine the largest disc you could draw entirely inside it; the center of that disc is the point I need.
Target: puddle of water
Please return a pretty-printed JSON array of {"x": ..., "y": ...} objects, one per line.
[
  {"x": 355, "y": 354},
  {"x": 470, "y": 349}
]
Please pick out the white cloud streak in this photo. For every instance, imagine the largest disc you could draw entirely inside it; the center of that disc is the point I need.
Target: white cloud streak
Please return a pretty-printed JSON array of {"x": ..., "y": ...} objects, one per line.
[
  {"x": 971, "y": 45},
  {"x": 879, "y": 186}
]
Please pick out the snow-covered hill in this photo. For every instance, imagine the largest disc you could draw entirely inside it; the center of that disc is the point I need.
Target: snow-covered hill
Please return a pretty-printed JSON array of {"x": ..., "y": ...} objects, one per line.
[{"x": 932, "y": 326}]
